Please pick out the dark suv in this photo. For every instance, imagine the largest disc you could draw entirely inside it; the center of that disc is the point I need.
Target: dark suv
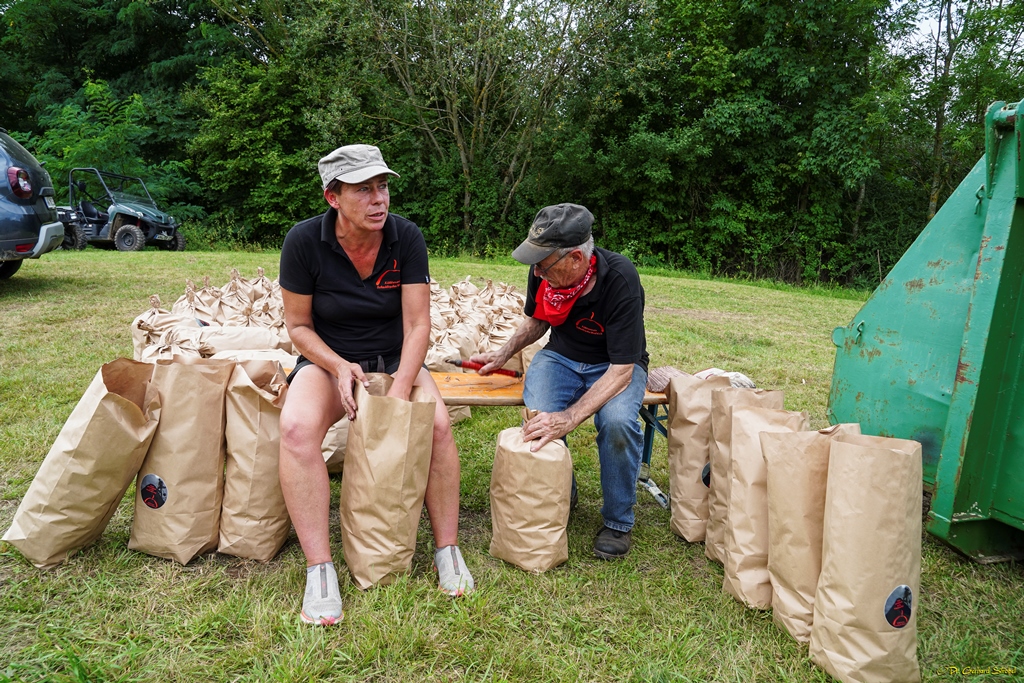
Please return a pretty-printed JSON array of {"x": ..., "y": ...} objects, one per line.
[{"x": 28, "y": 212}]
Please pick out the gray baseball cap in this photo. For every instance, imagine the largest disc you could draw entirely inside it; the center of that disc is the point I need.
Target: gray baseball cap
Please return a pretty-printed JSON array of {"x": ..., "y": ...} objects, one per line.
[
  {"x": 353, "y": 164},
  {"x": 555, "y": 227}
]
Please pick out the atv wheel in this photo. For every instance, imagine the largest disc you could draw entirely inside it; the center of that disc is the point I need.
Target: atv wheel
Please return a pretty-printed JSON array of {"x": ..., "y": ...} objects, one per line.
[
  {"x": 129, "y": 238},
  {"x": 74, "y": 237},
  {"x": 176, "y": 243}
]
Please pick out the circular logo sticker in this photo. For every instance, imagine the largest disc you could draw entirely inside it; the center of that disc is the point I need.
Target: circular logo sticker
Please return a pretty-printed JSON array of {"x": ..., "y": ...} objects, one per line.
[
  {"x": 705, "y": 475},
  {"x": 898, "y": 606},
  {"x": 153, "y": 491}
]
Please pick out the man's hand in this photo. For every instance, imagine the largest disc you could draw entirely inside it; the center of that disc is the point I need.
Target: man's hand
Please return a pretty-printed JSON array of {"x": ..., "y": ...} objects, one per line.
[
  {"x": 491, "y": 361},
  {"x": 348, "y": 374},
  {"x": 546, "y": 427}
]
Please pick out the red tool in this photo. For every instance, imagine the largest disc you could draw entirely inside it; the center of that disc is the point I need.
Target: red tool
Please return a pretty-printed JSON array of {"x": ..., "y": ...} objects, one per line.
[{"x": 470, "y": 365}]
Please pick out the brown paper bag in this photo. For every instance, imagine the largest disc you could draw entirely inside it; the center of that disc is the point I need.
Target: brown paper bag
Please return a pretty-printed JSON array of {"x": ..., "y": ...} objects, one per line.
[
  {"x": 254, "y": 521},
  {"x": 206, "y": 303},
  {"x": 530, "y": 502},
  {"x": 235, "y": 296},
  {"x": 261, "y": 286},
  {"x": 722, "y": 402},
  {"x": 147, "y": 328},
  {"x": 180, "y": 485},
  {"x": 797, "y": 466},
  {"x": 865, "y": 607},
  {"x": 215, "y": 339},
  {"x": 155, "y": 352},
  {"x": 746, "y": 524},
  {"x": 386, "y": 466},
  {"x": 90, "y": 465},
  {"x": 689, "y": 437},
  {"x": 333, "y": 446},
  {"x": 286, "y": 359}
]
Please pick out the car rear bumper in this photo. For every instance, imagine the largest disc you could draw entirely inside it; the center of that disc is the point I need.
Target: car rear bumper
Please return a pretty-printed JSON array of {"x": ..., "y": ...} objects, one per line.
[{"x": 50, "y": 237}]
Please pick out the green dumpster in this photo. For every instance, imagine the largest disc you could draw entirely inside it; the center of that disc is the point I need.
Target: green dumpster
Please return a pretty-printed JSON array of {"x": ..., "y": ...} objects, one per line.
[{"x": 937, "y": 353}]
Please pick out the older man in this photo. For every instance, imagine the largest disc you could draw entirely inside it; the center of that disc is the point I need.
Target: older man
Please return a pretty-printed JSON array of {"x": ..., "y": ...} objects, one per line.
[{"x": 595, "y": 362}]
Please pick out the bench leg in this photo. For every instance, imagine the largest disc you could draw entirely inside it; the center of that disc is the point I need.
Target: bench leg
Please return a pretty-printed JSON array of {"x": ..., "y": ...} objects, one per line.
[{"x": 652, "y": 424}]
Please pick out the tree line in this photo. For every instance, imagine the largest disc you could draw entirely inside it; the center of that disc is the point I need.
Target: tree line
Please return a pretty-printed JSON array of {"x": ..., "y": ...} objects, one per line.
[{"x": 802, "y": 140}]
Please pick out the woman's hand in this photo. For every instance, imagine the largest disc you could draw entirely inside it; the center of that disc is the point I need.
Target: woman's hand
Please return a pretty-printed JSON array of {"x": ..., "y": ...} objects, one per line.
[
  {"x": 348, "y": 374},
  {"x": 400, "y": 389}
]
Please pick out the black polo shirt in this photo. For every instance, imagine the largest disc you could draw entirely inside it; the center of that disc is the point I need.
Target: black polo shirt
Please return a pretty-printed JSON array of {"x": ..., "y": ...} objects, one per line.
[
  {"x": 606, "y": 325},
  {"x": 359, "y": 319}
]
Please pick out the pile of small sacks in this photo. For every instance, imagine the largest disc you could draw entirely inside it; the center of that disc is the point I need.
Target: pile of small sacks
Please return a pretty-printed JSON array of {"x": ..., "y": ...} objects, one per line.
[{"x": 245, "y": 318}]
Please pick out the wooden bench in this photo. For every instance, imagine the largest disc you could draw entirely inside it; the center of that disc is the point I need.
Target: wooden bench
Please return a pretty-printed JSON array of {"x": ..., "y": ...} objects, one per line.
[{"x": 471, "y": 389}]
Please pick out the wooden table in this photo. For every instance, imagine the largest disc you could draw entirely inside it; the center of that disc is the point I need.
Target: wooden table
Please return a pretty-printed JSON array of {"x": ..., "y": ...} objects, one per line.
[{"x": 471, "y": 389}]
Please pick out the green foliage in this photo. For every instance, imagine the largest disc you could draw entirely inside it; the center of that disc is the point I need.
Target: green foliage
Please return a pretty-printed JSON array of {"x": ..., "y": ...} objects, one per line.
[
  {"x": 724, "y": 135},
  {"x": 107, "y": 133},
  {"x": 805, "y": 141},
  {"x": 257, "y": 171}
]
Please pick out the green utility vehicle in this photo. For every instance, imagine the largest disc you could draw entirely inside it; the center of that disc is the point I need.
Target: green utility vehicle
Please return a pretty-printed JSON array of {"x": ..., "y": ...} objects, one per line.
[{"x": 130, "y": 221}]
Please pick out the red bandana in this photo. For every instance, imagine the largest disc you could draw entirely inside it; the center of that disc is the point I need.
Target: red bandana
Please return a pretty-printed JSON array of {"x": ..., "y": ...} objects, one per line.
[{"x": 553, "y": 305}]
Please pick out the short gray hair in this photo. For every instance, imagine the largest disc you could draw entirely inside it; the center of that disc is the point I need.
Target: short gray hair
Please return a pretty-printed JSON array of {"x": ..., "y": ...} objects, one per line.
[{"x": 587, "y": 248}]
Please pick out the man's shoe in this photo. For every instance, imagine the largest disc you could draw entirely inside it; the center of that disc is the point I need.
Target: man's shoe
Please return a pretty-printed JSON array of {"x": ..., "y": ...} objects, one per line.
[
  {"x": 453, "y": 575},
  {"x": 574, "y": 499},
  {"x": 611, "y": 544},
  {"x": 321, "y": 605}
]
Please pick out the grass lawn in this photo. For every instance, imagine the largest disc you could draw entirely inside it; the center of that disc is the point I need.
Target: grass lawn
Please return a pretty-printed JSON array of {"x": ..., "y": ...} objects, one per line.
[{"x": 110, "y": 614}]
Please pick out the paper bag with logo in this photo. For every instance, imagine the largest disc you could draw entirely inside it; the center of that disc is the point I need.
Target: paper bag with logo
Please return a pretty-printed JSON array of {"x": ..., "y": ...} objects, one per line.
[
  {"x": 385, "y": 479},
  {"x": 722, "y": 402},
  {"x": 866, "y": 604},
  {"x": 254, "y": 521},
  {"x": 530, "y": 502},
  {"x": 90, "y": 465},
  {"x": 689, "y": 437},
  {"x": 746, "y": 524},
  {"x": 180, "y": 485},
  {"x": 797, "y": 466}
]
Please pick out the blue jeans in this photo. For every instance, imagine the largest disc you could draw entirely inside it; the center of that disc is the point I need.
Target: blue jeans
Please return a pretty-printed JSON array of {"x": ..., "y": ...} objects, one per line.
[{"x": 554, "y": 383}]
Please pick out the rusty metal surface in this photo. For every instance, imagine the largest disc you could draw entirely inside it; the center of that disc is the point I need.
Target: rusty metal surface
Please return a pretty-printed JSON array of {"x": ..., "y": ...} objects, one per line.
[
  {"x": 896, "y": 361},
  {"x": 937, "y": 353}
]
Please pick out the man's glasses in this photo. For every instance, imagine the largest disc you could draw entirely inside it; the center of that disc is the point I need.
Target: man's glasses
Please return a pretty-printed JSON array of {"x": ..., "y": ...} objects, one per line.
[{"x": 540, "y": 271}]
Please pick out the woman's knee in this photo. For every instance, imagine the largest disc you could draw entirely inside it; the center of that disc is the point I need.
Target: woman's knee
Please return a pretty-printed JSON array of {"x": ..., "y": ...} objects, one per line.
[
  {"x": 311, "y": 407},
  {"x": 303, "y": 429},
  {"x": 442, "y": 428}
]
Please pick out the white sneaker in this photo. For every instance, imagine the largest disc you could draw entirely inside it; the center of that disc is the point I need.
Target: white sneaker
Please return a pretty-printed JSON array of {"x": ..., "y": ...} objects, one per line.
[
  {"x": 321, "y": 605},
  {"x": 453, "y": 575}
]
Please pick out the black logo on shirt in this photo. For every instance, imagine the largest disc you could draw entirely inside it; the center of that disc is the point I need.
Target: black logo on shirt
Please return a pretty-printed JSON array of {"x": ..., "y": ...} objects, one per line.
[
  {"x": 390, "y": 279},
  {"x": 590, "y": 326}
]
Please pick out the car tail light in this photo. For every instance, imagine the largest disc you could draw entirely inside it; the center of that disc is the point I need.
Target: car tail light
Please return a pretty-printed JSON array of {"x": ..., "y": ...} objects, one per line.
[
  {"x": 20, "y": 183},
  {"x": 23, "y": 248}
]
